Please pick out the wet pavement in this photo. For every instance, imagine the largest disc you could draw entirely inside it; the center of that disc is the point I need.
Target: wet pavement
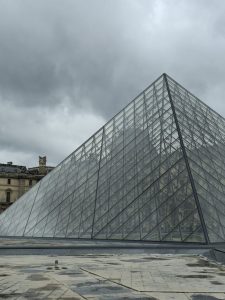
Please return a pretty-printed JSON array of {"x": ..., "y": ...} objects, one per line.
[{"x": 112, "y": 277}]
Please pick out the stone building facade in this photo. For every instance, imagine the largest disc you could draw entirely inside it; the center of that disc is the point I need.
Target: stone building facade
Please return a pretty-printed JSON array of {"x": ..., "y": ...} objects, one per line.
[{"x": 15, "y": 180}]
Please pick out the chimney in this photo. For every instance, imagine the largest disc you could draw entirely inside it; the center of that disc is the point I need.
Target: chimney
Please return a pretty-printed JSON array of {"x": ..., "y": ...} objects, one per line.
[{"x": 42, "y": 165}]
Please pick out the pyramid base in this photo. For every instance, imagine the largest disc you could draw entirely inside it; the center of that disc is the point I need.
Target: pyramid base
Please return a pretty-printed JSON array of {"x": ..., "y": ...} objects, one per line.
[{"x": 50, "y": 246}]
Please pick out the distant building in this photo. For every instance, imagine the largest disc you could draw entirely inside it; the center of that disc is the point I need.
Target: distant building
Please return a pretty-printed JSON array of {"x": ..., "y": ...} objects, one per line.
[{"x": 16, "y": 180}]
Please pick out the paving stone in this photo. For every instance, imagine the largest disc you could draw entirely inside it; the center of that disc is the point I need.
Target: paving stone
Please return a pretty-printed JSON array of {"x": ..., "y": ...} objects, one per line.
[{"x": 111, "y": 277}]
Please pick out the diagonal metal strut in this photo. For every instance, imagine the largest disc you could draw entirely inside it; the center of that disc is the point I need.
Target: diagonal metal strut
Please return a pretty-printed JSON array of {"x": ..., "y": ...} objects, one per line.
[{"x": 187, "y": 163}]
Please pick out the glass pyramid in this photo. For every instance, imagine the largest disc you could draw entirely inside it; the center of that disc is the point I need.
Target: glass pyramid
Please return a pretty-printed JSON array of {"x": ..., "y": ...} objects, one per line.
[{"x": 154, "y": 172}]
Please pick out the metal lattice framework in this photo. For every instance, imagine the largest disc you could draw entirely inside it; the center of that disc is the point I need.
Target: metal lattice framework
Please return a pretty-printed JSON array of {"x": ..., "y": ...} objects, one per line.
[{"x": 154, "y": 172}]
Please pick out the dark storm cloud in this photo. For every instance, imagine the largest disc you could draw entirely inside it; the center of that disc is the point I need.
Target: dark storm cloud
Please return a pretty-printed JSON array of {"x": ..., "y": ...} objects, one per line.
[
  {"x": 84, "y": 51},
  {"x": 60, "y": 60},
  {"x": 99, "y": 54}
]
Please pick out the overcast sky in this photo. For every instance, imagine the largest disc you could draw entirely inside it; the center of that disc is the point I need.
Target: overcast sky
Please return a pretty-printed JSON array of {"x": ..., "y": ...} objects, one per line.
[{"x": 67, "y": 66}]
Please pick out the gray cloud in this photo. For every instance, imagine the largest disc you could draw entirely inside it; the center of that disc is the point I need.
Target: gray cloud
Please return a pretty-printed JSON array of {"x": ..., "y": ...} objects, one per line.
[{"x": 63, "y": 60}]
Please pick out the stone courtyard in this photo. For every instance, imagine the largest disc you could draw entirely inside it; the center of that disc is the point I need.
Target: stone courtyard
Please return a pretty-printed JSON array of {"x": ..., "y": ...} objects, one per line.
[{"x": 111, "y": 276}]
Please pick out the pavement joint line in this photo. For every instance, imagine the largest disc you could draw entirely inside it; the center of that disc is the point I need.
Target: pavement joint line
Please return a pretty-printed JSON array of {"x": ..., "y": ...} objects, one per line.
[
  {"x": 67, "y": 287},
  {"x": 52, "y": 289},
  {"x": 110, "y": 280},
  {"x": 148, "y": 291}
]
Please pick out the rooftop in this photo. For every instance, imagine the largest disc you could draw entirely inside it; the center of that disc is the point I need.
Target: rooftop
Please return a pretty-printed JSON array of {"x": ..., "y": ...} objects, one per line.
[{"x": 10, "y": 168}]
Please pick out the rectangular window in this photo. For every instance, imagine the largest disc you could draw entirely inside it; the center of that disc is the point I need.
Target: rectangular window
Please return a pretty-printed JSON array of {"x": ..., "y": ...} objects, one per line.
[
  {"x": 9, "y": 181},
  {"x": 30, "y": 182},
  {"x": 8, "y": 196}
]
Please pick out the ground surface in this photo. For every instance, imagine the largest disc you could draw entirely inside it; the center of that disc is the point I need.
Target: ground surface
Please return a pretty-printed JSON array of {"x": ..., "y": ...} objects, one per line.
[{"x": 131, "y": 276}]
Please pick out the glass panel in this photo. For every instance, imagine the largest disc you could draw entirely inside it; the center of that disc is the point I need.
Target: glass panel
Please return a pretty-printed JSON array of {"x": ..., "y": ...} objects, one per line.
[
  {"x": 129, "y": 180},
  {"x": 203, "y": 132}
]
